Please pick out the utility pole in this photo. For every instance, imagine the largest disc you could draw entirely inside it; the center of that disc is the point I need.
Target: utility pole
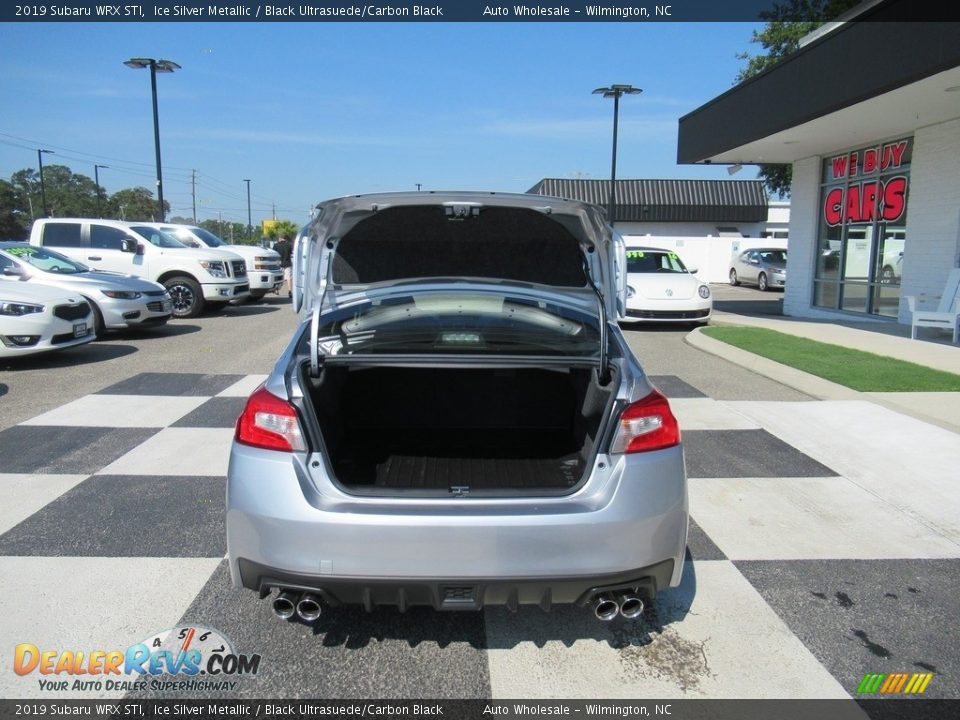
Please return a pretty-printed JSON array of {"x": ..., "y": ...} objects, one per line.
[
  {"x": 249, "y": 220},
  {"x": 96, "y": 180},
  {"x": 193, "y": 193}
]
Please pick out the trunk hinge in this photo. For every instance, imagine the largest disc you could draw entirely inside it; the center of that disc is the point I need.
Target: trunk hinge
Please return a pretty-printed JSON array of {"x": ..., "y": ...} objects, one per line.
[
  {"x": 603, "y": 373},
  {"x": 315, "y": 362},
  {"x": 326, "y": 272}
]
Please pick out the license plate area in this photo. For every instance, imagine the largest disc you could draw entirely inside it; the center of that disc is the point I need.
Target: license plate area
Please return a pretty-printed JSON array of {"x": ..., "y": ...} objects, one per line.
[{"x": 79, "y": 330}]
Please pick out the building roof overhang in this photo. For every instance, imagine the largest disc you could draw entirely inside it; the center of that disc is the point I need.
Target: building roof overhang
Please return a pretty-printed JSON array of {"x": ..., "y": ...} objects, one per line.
[{"x": 866, "y": 80}]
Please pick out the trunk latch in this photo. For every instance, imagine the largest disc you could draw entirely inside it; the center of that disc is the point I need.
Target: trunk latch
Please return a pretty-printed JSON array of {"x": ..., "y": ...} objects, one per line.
[{"x": 459, "y": 490}]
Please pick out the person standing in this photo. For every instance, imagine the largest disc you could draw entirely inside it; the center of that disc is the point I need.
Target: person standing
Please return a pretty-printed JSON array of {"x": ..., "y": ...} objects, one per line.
[{"x": 285, "y": 249}]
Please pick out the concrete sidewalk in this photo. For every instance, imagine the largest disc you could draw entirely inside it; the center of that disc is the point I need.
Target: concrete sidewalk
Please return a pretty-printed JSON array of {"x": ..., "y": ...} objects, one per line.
[{"x": 939, "y": 408}]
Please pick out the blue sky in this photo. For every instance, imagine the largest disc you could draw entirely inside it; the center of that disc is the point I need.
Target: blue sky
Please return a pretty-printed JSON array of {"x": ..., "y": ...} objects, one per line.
[{"x": 310, "y": 111}]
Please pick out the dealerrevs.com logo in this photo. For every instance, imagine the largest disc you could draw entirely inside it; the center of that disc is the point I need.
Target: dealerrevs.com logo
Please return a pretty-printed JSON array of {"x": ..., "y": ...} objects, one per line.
[{"x": 186, "y": 658}]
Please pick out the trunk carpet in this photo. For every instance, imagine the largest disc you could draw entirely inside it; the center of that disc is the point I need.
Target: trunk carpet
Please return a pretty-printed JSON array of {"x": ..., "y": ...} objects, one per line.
[{"x": 485, "y": 460}]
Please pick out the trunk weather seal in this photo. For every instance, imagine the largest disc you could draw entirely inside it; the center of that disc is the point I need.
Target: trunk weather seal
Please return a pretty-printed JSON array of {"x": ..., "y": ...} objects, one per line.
[{"x": 603, "y": 373}]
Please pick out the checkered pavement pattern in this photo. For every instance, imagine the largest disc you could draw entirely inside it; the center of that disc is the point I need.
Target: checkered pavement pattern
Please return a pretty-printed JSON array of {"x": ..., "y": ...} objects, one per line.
[{"x": 807, "y": 567}]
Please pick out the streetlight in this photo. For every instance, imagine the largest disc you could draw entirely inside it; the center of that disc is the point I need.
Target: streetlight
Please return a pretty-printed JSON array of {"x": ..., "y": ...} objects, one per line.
[
  {"x": 96, "y": 180},
  {"x": 163, "y": 66},
  {"x": 249, "y": 217},
  {"x": 615, "y": 91},
  {"x": 43, "y": 190}
]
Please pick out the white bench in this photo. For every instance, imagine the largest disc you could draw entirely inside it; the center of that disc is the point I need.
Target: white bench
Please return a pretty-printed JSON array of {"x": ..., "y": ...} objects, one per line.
[{"x": 947, "y": 314}]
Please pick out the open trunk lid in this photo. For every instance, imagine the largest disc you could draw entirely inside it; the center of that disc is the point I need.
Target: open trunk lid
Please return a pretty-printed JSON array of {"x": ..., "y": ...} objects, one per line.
[{"x": 365, "y": 247}]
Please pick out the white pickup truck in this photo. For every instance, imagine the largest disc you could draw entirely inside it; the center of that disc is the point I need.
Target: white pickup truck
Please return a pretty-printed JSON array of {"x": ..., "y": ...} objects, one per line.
[
  {"x": 263, "y": 265},
  {"x": 194, "y": 278}
]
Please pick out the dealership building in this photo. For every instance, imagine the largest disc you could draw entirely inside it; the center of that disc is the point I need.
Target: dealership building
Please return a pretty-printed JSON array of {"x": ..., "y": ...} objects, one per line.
[
  {"x": 704, "y": 221},
  {"x": 867, "y": 111}
]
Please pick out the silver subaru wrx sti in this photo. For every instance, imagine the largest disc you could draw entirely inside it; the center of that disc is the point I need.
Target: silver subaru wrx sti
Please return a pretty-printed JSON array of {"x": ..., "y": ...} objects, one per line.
[{"x": 458, "y": 421}]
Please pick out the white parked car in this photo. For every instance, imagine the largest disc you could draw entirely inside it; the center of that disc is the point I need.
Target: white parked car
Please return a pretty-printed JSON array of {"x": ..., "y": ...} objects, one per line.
[
  {"x": 661, "y": 289},
  {"x": 263, "y": 264},
  {"x": 194, "y": 278},
  {"x": 118, "y": 301},
  {"x": 37, "y": 318}
]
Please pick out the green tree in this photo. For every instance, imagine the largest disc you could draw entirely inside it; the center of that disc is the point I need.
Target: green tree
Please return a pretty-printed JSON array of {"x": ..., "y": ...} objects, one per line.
[
  {"x": 13, "y": 220},
  {"x": 68, "y": 194},
  {"x": 286, "y": 228},
  {"x": 136, "y": 204},
  {"x": 231, "y": 232},
  {"x": 787, "y": 23}
]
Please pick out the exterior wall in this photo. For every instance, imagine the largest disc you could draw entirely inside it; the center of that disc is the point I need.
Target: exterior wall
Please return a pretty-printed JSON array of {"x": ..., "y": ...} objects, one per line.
[
  {"x": 686, "y": 229},
  {"x": 804, "y": 216},
  {"x": 933, "y": 215},
  {"x": 709, "y": 255}
]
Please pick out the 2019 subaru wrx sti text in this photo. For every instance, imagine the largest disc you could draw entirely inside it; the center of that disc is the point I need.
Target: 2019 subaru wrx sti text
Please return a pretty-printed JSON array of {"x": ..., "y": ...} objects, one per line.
[{"x": 458, "y": 421}]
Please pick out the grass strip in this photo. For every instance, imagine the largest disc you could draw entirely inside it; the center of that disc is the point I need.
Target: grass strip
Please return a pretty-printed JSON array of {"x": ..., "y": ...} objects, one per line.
[{"x": 856, "y": 369}]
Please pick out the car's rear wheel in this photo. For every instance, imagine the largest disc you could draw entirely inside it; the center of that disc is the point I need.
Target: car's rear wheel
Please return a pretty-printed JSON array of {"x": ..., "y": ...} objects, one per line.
[
  {"x": 733, "y": 277},
  {"x": 762, "y": 282},
  {"x": 186, "y": 295}
]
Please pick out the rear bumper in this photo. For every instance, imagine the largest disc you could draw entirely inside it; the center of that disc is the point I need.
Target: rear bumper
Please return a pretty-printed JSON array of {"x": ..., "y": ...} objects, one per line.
[
  {"x": 467, "y": 593},
  {"x": 287, "y": 525}
]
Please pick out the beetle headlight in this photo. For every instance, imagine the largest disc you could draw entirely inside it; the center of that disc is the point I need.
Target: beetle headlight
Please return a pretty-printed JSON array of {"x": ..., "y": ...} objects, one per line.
[{"x": 704, "y": 291}]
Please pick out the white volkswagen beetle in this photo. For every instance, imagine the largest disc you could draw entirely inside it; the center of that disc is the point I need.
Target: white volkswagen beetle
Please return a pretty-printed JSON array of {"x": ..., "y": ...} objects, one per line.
[{"x": 661, "y": 289}]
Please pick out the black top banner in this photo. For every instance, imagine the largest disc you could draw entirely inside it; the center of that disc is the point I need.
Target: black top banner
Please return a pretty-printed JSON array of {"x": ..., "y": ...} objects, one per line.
[{"x": 428, "y": 11}]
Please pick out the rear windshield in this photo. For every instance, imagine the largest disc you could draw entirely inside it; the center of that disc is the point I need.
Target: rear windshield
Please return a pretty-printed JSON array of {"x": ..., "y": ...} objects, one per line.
[
  {"x": 452, "y": 323},
  {"x": 646, "y": 261}
]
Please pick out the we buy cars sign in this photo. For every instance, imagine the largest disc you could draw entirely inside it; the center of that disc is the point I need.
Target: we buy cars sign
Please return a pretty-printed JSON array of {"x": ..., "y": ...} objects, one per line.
[{"x": 877, "y": 199}]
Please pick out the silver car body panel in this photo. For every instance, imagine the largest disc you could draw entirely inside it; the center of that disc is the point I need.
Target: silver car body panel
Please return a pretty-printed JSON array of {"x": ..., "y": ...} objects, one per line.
[{"x": 288, "y": 517}]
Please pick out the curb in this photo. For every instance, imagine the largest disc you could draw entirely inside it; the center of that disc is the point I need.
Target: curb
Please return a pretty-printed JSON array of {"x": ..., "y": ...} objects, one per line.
[
  {"x": 783, "y": 374},
  {"x": 798, "y": 380}
]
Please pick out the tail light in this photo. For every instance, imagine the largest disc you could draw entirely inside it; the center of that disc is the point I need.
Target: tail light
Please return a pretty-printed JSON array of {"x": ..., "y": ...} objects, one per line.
[
  {"x": 647, "y": 424},
  {"x": 270, "y": 423}
]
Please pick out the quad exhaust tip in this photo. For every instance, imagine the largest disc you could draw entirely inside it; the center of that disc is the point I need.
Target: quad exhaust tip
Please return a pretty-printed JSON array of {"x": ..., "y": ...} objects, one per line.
[
  {"x": 308, "y": 609},
  {"x": 285, "y": 605},
  {"x": 631, "y": 606},
  {"x": 605, "y": 608}
]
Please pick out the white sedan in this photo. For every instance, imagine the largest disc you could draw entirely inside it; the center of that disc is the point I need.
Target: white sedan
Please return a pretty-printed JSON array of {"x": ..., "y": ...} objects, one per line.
[
  {"x": 661, "y": 289},
  {"x": 37, "y": 318}
]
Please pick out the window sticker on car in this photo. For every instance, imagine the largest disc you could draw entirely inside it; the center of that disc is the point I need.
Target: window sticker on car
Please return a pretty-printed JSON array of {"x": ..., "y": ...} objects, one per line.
[
  {"x": 636, "y": 254},
  {"x": 19, "y": 250},
  {"x": 672, "y": 256}
]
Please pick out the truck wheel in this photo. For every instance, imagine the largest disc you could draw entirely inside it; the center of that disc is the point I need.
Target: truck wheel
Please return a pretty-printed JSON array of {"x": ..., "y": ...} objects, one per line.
[{"x": 186, "y": 295}]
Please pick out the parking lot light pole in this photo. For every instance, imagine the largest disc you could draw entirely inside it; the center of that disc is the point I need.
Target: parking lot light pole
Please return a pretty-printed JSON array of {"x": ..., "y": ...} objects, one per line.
[
  {"x": 249, "y": 216},
  {"x": 162, "y": 66},
  {"x": 43, "y": 190},
  {"x": 96, "y": 180},
  {"x": 615, "y": 91}
]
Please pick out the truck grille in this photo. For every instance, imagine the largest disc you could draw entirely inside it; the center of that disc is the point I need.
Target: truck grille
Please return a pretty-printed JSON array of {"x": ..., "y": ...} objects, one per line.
[
  {"x": 239, "y": 268},
  {"x": 72, "y": 312}
]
